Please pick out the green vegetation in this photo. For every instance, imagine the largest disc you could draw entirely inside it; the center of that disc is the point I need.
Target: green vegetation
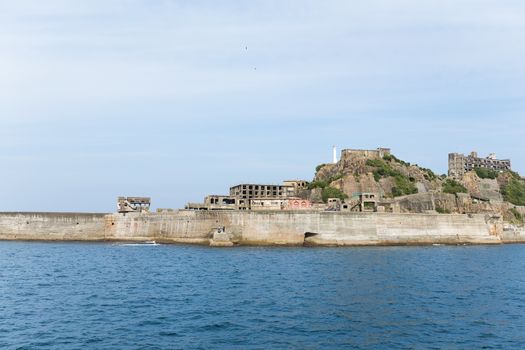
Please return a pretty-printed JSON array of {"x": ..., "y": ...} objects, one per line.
[
  {"x": 429, "y": 174},
  {"x": 389, "y": 157},
  {"x": 324, "y": 183},
  {"x": 317, "y": 168},
  {"x": 514, "y": 192},
  {"x": 383, "y": 169},
  {"x": 453, "y": 187},
  {"x": 317, "y": 184},
  {"x": 403, "y": 185},
  {"x": 332, "y": 192},
  {"x": 335, "y": 178},
  {"x": 369, "y": 205},
  {"x": 486, "y": 173},
  {"x": 514, "y": 174},
  {"x": 327, "y": 190},
  {"x": 517, "y": 215},
  {"x": 442, "y": 210}
]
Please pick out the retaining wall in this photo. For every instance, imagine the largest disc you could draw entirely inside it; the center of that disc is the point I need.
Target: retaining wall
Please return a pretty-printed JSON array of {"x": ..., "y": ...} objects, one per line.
[
  {"x": 52, "y": 226},
  {"x": 324, "y": 228},
  {"x": 261, "y": 228}
]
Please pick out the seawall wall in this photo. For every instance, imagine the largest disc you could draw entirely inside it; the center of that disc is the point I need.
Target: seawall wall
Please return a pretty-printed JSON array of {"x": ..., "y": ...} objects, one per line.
[
  {"x": 290, "y": 228},
  {"x": 261, "y": 228},
  {"x": 52, "y": 226},
  {"x": 513, "y": 234}
]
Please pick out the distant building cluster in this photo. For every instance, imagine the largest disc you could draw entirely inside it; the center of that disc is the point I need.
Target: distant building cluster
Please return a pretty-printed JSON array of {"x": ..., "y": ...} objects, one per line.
[
  {"x": 459, "y": 164},
  {"x": 258, "y": 197},
  {"x": 292, "y": 195},
  {"x": 296, "y": 194}
]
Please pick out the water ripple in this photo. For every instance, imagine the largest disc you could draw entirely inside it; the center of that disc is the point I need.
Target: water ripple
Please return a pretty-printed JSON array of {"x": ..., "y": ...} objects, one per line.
[{"x": 103, "y": 296}]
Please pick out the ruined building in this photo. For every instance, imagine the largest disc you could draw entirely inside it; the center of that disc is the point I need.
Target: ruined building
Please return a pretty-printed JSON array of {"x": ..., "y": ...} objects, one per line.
[
  {"x": 133, "y": 204},
  {"x": 459, "y": 164},
  {"x": 376, "y": 153},
  {"x": 257, "y": 197}
]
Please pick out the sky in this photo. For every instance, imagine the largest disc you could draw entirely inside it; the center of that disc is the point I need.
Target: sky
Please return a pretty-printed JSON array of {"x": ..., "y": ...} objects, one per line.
[{"x": 179, "y": 99}]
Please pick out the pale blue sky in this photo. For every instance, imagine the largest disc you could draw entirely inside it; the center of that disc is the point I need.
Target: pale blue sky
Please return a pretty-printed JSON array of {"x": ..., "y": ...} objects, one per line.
[{"x": 162, "y": 99}]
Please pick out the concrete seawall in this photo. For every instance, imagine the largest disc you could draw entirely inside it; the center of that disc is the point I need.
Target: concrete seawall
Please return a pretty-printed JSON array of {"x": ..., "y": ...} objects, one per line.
[
  {"x": 52, "y": 226},
  {"x": 261, "y": 228},
  {"x": 319, "y": 228},
  {"x": 513, "y": 234}
]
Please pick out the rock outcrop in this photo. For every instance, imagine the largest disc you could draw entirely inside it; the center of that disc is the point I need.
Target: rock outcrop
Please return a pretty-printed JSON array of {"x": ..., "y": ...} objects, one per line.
[{"x": 409, "y": 188}]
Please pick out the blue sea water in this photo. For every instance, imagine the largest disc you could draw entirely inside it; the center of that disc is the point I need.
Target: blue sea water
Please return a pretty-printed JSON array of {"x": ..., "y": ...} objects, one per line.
[{"x": 114, "y": 296}]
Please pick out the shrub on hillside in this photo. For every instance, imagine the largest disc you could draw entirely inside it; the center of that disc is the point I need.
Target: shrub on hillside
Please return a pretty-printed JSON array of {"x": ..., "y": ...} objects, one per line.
[
  {"x": 453, "y": 187},
  {"x": 317, "y": 168},
  {"x": 383, "y": 169},
  {"x": 517, "y": 215},
  {"x": 332, "y": 192},
  {"x": 403, "y": 186},
  {"x": 514, "y": 192},
  {"x": 486, "y": 173},
  {"x": 442, "y": 210},
  {"x": 397, "y": 160},
  {"x": 324, "y": 183},
  {"x": 317, "y": 184},
  {"x": 429, "y": 174}
]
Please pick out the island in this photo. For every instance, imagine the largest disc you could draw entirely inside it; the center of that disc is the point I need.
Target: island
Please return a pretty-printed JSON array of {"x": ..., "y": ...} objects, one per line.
[{"x": 366, "y": 197}]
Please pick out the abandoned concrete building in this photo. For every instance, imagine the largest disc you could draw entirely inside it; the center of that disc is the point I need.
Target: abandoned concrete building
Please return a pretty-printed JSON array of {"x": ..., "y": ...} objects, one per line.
[
  {"x": 363, "y": 202},
  {"x": 296, "y": 184},
  {"x": 261, "y": 204},
  {"x": 459, "y": 164},
  {"x": 248, "y": 191},
  {"x": 368, "y": 201},
  {"x": 133, "y": 204},
  {"x": 215, "y": 202},
  {"x": 257, "y": 197},
  {"x": 377, "y": 153}
]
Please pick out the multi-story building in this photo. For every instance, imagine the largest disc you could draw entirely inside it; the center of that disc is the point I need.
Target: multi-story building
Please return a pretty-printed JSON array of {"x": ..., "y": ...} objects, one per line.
[
  {"x": 257, "y": 197},
  {"x": 247, "y": 192},
  {"x": 297, "y": 184},
  {"x": 459, "y": 164}
]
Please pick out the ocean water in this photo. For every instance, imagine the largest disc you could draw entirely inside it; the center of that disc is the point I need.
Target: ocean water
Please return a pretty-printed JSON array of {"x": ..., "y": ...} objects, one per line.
[{"x": 114, "y": 296}]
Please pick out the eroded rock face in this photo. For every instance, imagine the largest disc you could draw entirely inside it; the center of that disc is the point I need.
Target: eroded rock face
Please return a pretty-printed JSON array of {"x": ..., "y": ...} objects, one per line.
[
  {"x": 485, "y": 189},
  {"x": 353, "y": 174},
  {"x": 353, "y": 184}
]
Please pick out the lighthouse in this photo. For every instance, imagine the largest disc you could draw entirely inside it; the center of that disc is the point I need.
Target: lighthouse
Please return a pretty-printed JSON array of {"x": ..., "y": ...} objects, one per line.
[{"x": 334, "y": 158}]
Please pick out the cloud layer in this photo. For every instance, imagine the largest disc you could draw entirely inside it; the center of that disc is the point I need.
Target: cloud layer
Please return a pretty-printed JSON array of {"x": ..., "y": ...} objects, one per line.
[{"x": 175, "y": 99}]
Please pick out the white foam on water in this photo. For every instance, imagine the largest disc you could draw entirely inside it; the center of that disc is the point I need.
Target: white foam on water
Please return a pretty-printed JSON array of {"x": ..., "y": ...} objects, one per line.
[{"x": 139, "y": 244}]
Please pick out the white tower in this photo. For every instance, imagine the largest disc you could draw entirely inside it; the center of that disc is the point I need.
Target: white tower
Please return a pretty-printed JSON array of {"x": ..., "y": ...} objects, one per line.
[{"x": 334, "y": 155}]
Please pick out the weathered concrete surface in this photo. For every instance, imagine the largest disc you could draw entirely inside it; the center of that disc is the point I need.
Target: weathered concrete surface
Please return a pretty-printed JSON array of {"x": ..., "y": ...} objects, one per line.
[
  {"x": 407, "y": 229},
  {"x": 225, "y": 228},
  {"x": 513, "y": 234},
  {"x": 323, "y": 228},
  {"x": 52, "y": 226}
]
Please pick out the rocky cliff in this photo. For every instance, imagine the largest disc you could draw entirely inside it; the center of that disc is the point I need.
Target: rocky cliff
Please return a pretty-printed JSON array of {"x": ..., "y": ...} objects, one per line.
[{"x": 405, "y": 187}]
